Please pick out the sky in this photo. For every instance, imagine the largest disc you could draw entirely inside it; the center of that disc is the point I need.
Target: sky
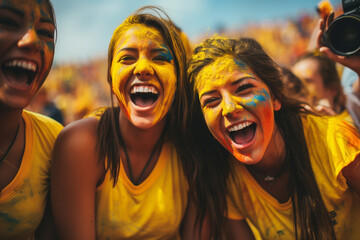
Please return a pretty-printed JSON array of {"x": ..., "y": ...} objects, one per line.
[{"x": 85, "y": 26}]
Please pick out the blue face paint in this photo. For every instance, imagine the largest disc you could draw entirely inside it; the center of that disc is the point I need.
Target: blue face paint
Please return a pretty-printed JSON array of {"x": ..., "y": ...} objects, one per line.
[
  {"x": 240, "y": 64},
  {"x": 166, "y": 54}
]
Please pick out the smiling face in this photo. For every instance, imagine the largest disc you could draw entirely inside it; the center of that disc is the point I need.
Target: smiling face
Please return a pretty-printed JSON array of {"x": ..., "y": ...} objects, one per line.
[
  {"x": 238, "y": 108},
  {"x": 143, "y": 76},
  {"x": 26, "y": 49}
]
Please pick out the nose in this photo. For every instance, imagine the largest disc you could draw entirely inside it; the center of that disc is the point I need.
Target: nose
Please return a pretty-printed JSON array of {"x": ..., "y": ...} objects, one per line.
[
  {"x": 230, "y": 107},
  {"x": 30, "y": 40},
  {"x": 143, "y": 67}
]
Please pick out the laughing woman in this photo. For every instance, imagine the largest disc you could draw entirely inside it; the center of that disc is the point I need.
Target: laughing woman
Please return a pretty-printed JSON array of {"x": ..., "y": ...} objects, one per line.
[
  {"x": 293, "y": 175},
  {"x": 120, "y": 176},
  {"x": 27, "y": 29}
]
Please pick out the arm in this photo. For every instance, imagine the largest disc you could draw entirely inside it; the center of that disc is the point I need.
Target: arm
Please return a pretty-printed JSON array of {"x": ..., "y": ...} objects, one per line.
[
  {"x": 75, "y": 172},
  {"x": 238, "y": 230},
  {"x": 352, "y": 174}
]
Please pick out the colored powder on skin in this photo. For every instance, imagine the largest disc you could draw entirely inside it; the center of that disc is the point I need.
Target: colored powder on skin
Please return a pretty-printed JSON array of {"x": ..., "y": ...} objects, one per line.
[
  {"x": 261, "y": 97},
  {"x": 214, "y": 72},
  {"x": 166, "y": 54}
]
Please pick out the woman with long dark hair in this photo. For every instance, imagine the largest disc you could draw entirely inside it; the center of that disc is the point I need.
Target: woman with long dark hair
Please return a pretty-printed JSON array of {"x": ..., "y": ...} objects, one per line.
[
  {"x": 290, "y": 174},
  {"x": 127, "y": 173}
]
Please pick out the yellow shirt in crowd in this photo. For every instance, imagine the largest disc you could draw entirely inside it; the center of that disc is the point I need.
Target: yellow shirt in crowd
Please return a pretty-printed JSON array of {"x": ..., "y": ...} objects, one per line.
[
  {"x": 152, "y": 210},
  {"x": 332, "y": 145},
  {"x": 23, "y": 201}
]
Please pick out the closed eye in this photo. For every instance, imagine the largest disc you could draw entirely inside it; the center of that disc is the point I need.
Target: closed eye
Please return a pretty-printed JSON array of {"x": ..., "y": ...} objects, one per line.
[
  {"x": 46, "y": 33},
  {"x": 244, "y": 87},
  {"x": 8, "y": 22},
  {"x": 127, "y": 59},
  {"x": 161, "y": 58},
  {"x": 210, "y": 102}
]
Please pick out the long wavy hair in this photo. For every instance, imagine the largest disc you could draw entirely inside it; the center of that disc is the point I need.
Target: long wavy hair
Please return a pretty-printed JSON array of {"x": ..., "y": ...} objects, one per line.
[
  {"x": 311, "y": 219},
  {"x": 176, "y": 119}
]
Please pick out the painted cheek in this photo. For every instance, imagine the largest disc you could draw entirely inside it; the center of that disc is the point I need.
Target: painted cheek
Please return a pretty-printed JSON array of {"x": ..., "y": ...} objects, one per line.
[
  {"x": 120, "y": 74},
  {"x": 166, "y": 75},
  {"x": 259, "y": 99}
]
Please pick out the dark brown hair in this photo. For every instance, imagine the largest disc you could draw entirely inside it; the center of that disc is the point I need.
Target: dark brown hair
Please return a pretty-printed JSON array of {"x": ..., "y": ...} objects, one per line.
[{"x": 311, "y": 219}]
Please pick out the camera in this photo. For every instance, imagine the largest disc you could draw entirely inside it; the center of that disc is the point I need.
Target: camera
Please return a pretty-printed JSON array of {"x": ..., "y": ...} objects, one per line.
[{"x": 343, "y": 34}]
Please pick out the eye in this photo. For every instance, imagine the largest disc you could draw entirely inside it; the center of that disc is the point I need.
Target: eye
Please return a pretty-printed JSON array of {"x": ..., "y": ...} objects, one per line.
[
  {"x": 161, "y": 58},
  {"x": 127, "y": 59},
  {"x": 9, "y": 22},
  {"x": 210, "y": 102},
  {"x": 46, "y": 33},
  {"x": 242, "y": 88}
]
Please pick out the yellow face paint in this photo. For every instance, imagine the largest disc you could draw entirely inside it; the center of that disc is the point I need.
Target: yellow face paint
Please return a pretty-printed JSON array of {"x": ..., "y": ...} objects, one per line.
[
  {"x": 143, "y": 76},
  {"x": 237, "y": 108}
]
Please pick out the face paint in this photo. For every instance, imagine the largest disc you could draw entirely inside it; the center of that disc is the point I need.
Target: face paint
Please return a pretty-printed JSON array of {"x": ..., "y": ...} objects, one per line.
[
  {"x": 143, "y": 76},
  {"x": 237, "y": 108},
  {"x": 26, "y": 49}
]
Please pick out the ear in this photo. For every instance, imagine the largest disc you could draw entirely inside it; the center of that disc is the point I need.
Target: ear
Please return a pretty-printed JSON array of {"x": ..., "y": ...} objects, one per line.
[{"x": 276, "y": 105}]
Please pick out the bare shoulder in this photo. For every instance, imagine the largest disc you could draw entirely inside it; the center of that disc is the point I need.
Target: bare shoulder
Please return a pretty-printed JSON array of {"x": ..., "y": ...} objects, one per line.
[
  {"x": 84, "y": 129},
  {"x": 75, "y": 147}
]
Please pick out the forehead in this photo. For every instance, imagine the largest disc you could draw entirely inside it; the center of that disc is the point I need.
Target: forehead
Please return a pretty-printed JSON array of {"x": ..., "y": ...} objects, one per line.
[
  {"x": 220, "y": 72},
  {"x": 140, "y": 34},
  {"x": 29, "y": 8}
]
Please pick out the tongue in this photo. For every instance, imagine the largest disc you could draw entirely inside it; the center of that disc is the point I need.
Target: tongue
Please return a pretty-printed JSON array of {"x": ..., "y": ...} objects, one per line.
[
  {"x": 17, "y": 77},
  {"x": 244, "y": 136},
  {"x": 143, "y": 102}
]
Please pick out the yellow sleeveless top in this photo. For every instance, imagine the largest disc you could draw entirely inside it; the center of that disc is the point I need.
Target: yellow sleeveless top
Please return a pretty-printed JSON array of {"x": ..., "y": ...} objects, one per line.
[
  {"x": 152, "y": 210},
  {"x": 22, "y": 202},
  {"x": 332, "y": 145}
]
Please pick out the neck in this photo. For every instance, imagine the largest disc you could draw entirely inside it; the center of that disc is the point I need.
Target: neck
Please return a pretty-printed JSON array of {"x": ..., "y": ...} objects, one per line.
[
  {"x": 141, "y": 141},
  {"x": 9, "y": 121},
  {"x": 274, "y": 156}
]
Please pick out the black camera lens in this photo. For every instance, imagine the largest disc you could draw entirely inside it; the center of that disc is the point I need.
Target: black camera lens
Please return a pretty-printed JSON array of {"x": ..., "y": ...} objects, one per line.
[{"x": 343, "y": 35}]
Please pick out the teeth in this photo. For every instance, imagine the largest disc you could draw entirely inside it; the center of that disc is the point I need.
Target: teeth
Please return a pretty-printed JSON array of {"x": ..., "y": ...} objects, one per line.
[
  {"x": 22, "y": 64},
  {"x": 239, "y": 126},
  {"x": 144, "y": 89}
]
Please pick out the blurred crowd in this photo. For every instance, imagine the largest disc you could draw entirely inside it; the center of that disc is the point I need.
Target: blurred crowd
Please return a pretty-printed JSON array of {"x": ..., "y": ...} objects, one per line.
[{"x": 74, "y": 90}]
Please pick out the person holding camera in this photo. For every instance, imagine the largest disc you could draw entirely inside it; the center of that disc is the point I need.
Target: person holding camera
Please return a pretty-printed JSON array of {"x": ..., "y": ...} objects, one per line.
[{"x": 339, "y": 39}]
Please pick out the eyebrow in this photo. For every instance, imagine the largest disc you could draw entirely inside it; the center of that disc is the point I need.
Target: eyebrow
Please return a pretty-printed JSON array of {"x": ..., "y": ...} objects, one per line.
[
  {"x": 46, "y": 20},
  {"x": 134, "y": 49},
  {"x": 13, "y": 10},
  {"x": 231, "y": 84}
]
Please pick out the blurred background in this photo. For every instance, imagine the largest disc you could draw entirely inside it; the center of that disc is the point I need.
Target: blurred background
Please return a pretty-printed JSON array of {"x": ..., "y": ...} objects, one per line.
[{"x": 77, "y": 82}]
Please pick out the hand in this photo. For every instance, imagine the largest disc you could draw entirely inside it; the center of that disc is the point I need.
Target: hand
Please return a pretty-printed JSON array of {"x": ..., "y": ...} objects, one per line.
[{"x": 352, "y": 61}]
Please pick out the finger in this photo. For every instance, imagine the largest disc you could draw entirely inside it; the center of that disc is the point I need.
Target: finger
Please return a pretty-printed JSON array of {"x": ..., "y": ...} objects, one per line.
[
  {"x": 330, "y": 19},
  {"x": 319, "y": 34}
]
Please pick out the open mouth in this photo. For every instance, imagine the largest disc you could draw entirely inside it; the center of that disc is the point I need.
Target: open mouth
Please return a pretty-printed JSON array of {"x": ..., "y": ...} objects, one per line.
[
  {"x": 21, "y": 73},
  {"x": 144, "y": 96},
  {"x": 242, "y": 133}
]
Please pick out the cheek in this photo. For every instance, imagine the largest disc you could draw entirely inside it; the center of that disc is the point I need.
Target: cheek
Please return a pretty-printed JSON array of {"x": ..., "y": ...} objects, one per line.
[
  {"x": 120, "y": 74},
  {"x": 167, "y": 76},
  {"x": 211, "y": 120},
  {"x": 48, "y": 53}
]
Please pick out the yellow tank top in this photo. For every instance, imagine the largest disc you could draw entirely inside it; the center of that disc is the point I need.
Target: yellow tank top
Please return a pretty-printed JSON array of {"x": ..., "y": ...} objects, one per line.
[
  {"x": 22, "y": 202},
  {"x": 152, "y": 210},
  {"x": 332, "y": 145}
]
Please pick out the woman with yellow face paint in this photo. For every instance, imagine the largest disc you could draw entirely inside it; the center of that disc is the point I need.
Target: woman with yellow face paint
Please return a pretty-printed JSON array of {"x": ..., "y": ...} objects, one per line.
[
  {"x": 27, "y": 30},
  {"x": 124, "y": 175},
  {"x": 290, "y": 174}
]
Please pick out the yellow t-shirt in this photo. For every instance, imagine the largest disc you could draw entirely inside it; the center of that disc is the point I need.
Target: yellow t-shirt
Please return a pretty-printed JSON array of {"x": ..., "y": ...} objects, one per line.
[
  {"x": 332, "y": 145},
  {"x": 152, "y": 210},
  {"x": 22, "y": 202}
]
